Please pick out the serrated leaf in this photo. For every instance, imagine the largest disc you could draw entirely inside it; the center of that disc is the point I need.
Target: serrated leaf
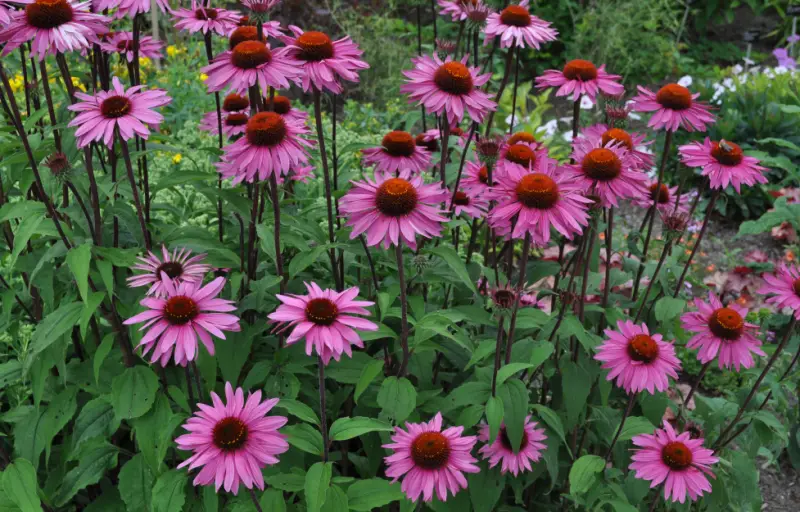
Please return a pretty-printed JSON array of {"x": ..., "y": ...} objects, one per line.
[
  {"x": 368, "y": 374},
  {"x": 20, "y": 486},
  {"x": 583, "y": 473},
  {"x": 398, "y": 398},
  {"x": 169, "y": 492},
  {"x": 79, "y": 259},
  {"x": 317, "y": 482},
  {"x": 372, "y": 494},
  {"x": 136, "y": 484},
  {"x": 668, "y": 308},
  {"x": 133, "y": 392},
  {"x": 348, "y": 428}
]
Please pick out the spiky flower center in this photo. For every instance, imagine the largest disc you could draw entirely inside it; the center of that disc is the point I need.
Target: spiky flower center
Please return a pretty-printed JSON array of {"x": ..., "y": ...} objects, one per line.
[
  {"x": 601, "y": 164},
  {"x": 48, "y": 14},
  {"x": 618, "y": 136},
  {"x": 483, "y": 175},
  {"x": 242, "y": 34},
  {"x": 503, "y": 298},
  {"x": 796, "y": 286},
  {"x": 430, "y": 450},
  {"x": 662, "y": 195},
  {"x": 281, "y": 104},
  {"x": 229, "y": 434},
  {"x": 321, "y": 311},
  {"x": 58, "y": 163},
  {"x": 505, "y": 441},
  {"x": 115, "y": 107},
  {"x": 453, "y": 78},
  {"x": 676, "y": 455},
  {"x": 266, "y": 129},
  {"x": 521, "y": 137},
  {"x": 206, "y": 14},
  {"x": 521, "y": 154},
  {"x": 462, "y": 199},
  {"x": 537, "y": 190},
  {"x": 727, "y": 153},
  {"x": 396, "y": 197},
  {"x": 314, "y": 46},
  {"x": 726, "y": 323},
  {"x": 674, "y": 96},
  {"x": 399, "y": 143},
  {"x": 515, "y": 16},
  {"x": 173, "y": 269},
  {"x": 642, "y": 348},
  {"x": 580, "y": 69},
  {"x": 233, "y": 103},
  {"x": 250, "y": 54},
  {"x": 428, "y": 143},
  {"x": 126, "y": 45},
  {"x": 236, "y": 119},
  {"x": 180, "y": 310}
]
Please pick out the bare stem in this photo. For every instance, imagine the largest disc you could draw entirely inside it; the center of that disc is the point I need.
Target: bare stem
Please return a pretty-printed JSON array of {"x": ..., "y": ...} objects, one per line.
[{"x": 401, "y": 275}]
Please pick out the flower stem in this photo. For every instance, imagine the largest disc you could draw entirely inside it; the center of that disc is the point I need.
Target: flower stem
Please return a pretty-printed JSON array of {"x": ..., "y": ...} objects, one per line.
[
  {"x": 628, "y": 409},
  {"x": 523, "y": 263},
  {"x": 419, "y": 52},
  {"x": 255, "y": 500},
  {"x": 134, "y": 189},
  {"x": 778, "y": 351},
  {"x": 371, "y": 263},
  {"x": 607, "y": 286},
  {"x": 514, "y": 93},
  {"x": 663, "y": 257},
  {"x": 445, "y": 148},
  {"x": 592, "y": 236},
  {"x": 503, "y": 83},
  {"x": 210, "y": 57},
  {"x": 323, "y": 415},
  {"x": 576, "y": 117},
  {"x": 401, "y": 276},
  {"x": 695, "y": 385},
  {"x": 664, "y": 157},
  {"x": 198, "y": 382},
  {"x": 709, "y": 210},
  {"x": 461, "y": 167},
  {"x": 497, "y": 350},
  {"x": 328, "y": 194}
]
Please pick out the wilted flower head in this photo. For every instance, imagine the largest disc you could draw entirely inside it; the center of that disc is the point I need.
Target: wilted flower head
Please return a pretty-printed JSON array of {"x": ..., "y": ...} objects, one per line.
[
  {"x": 488, "y": 149},
  {"x": 59, "y": 166},
  {"x": 258, "y": 10},
  {"x": 445, "y": 46}
]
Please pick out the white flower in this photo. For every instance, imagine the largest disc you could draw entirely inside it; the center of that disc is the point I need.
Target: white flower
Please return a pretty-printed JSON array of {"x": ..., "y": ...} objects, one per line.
[
  {"x": 586, "y": 103},
  {"x": 685, "y": 81},
  {"x": 781, "y": 70},
  {"x": 737, "y": 69},
  {"x": 749, "y": 62},
  {"x": 549, "y": 128},
  {"x": 567, "y": 136}
]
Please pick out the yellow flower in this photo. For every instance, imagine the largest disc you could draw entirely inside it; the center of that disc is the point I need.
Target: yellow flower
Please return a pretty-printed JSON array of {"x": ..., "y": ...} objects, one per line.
[
  {"x": 144, "y": 62},
  {"x": 203, "y": 77},
  {"x": 172, "y": 50},
  {"x": 17, "y": 83},
  {"x": 177, "y": 158},
  {"x": 77, "y": 84}
]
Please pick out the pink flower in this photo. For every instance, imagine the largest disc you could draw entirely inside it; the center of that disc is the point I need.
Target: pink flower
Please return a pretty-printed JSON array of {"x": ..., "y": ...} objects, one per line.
[
  {"x": 476, "y": 178},
  {"x": 394, "y": 209},
  {"x": 322, "y": 61},
  {"x": 581, "y": 77},
  {"x": 5, "y": 15},
  {"x": 129, "y": 8},
  {"x": 122, "y": 43},
  {"x": 473, "y": 204},
  {"x": 634, "y": 142},
  {"x": 283, "y": 106},
  {"x": 200, "y": 18},
  {"x": 52, "y": 26},
  {"x": 259, "y": 7},
  {"x": 667, "y": 199},
  {"x": 247, "y": 32},
  {"x": 605, "y": 171},
  {"x": 180, "y": 267},
  {"x": 233, "y": 123},
  {"x": 301, "y": 174},
  {"x": 129, "y": 112},
  {"x": 397, "y": 151},
  {"x": 232, "y": 442},
  {"x": 637, "y": 359},
  {"x": 539, "y": 198},
  {"x": 430, "y": 459},
  {"x": 724, "y": 163},
  {"x": 325, "y": 319},
  {"x": 784, "y": 288},
  {"x": 250, "y": 63},
  {"x": 501, "y": 450},
  {"x": 448, "y": 88},
  {"x": 185, "y": 314},
  {"x": 271, "y": 144},
  {"x": 516, "y": 26},
  {"x": 676, "y": 459},
  {"x": 429, "y": 140},
  {"x": 722, "y": 331},
  {"x": 522, "y": 154},
  {"x": 456, "y": 9},
  {"x": 674, "y": 106}
]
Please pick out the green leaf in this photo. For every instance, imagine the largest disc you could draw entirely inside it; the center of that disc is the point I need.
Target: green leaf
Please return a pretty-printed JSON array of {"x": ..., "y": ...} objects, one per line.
[
  {"x": 272, "y": 500},
  {"x": 21, "y": 210},
  {"x": 668, "y": 308},
  {"x": 634, "y": 426},
  {"x": 372, "y": 494},
  {"x": 304, "y": 437},
  {"x": 318, "y": 479},
  {"x": 583, "y": 473},
  {"x": 59, "y": 411},
  {"x": 53, "y": 326},
  {"x": 154, "y": 432},
  {"x": 20, "y": 486},
  {"x": 552, "y": 420},
  {"x": 783, "y": 143},
  {"x": 348, "y": 428},
  {"x": 10, "y": 371},
  {"x": 454, "y": 261},
  {"x": 91, "y": 305},
  {"x": 576, "y": 383},
  {"x": 100, "y": 355},
  {"x": 179, "y": 398},
  {"x": 494, "y": 416},
  {"x": 29, "y": 436},
  {"x": 485, "y": 489},
  {"x": 398, "y": 398},
  {"x": 136, "y": 484},
  {"x": 79, "y": 259},
  {"x": 96, "y": 419},
  {"x": 790, "y": 109},
  {"x": 91, "y": 467},
  {"x": 540, "y": 352},
  {"x": 514, "y": 395},
  {"x": 301, "y": 261},
  {"x": 133, "y": 392},
  {"x": 509, "y": 370},
  {"x": 169, "y": 492},
  {"x": 298, "y": 410},
  {"x": 368, "y": 374},
  {"x": 26, "y": 229},
  {"x": 335, "y": 500},
  {"x": 292, "y": 482},
  {"x": 232, "y": 352}
]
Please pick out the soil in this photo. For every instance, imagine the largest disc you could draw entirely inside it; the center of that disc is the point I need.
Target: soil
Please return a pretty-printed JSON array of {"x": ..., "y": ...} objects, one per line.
[{"x": 780, "y": 488}]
